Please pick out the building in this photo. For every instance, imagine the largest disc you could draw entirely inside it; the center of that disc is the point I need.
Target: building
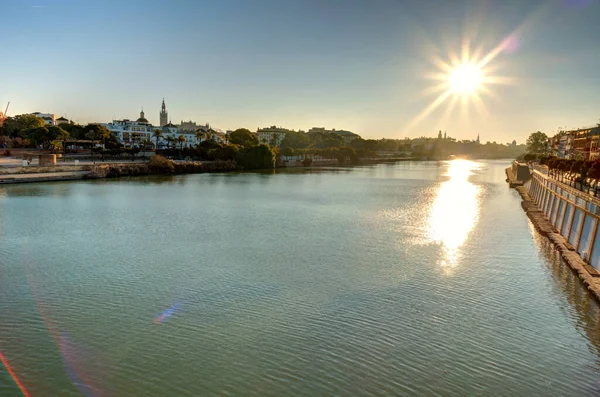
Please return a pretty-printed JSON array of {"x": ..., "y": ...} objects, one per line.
[
  {"x": 347, "y": 136},
  {"x": 49, "y": 118},
  {"x": 62, "y": 120},
  {"x": 163, "y": 115},
  {"x": 128, "y": 132},
  {"x": 187, "y": 126},
  {"x": 272, "y": 135},
  {"x": 212, "y": 134}
]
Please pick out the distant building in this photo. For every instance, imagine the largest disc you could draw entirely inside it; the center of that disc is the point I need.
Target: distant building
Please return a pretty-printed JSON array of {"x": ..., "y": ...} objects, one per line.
[
  {"x": 49, "y": 118},
  {"x": 61, "y": 120},
  {"x": 272, "y": 135},
  {"x": 514, "y": 142},
  {"x": 187, "y": 126},
  {"x": 212, "y": 134},
  {"x": 163, "y": 115},
  {"x": 124, "y": 129}
]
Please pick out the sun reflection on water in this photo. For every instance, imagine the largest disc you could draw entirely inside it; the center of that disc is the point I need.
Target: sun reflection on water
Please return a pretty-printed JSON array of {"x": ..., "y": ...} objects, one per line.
[{"x": 454, "y": 212}]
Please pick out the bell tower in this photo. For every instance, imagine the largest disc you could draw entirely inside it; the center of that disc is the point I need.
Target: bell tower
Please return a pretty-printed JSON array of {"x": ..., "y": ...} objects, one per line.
[{"x": 164, "y": 116}]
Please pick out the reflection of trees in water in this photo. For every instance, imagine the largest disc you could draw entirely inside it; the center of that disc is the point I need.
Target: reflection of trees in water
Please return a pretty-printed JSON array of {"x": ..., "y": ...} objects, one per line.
[
  {"x": 587, "y": 316},
  {"x": 57, "y": 189}
]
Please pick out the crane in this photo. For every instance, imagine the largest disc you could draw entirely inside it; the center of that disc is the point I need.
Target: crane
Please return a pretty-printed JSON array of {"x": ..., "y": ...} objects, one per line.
[{"x": 3, "y": 116}]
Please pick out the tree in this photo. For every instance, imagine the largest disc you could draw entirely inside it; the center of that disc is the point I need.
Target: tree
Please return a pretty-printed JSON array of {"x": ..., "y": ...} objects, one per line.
[
  {"x": 170, "y": 141},
  {"x": 181, "y": 139},
  {"x": 199, "y": 135},
  {"x": 63, "y": 137},
  {"x": 21, "y": 125},
  {"x": 38, "y": 135},
  {"x": 96, "y": 132},
  {"x": 287, "y": 151},
  {"x": 135, "y": 137},
  {"x": 257, "y": 157},
  {"x": 537, "y": 143},
  {"x": 243, "y": 137},
  {"x": 75, "y": 130},
  {"x": 296, "y": 140},
  {"x": 157, "y": 134}
]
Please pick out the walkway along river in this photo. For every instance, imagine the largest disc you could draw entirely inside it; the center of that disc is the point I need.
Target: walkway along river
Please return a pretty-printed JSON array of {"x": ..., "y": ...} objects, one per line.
[{"x": 415, "y": 279}]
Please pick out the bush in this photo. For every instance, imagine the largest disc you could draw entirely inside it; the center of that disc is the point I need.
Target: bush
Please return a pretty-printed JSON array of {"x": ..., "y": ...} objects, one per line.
[
  {"x": 307, "y": 161},
  {"x": 7, "y": 152},
  {"x": 161, "y": 164},
  {"x": 256, "y": 157}
]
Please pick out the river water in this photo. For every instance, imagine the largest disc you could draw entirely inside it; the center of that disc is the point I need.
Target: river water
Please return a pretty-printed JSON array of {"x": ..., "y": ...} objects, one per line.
[{"x": 403, "y": 279}]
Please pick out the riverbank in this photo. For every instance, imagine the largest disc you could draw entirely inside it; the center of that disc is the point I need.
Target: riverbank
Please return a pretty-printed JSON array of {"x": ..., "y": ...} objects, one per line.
[
  {"x": 589, "y": 276},
  {"x": 116, "y": 169},
  {"x": 9, "y": 175}
]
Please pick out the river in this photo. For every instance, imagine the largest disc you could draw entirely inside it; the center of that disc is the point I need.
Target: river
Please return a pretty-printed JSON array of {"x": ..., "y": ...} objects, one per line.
[{"x": 419, "y": 279}]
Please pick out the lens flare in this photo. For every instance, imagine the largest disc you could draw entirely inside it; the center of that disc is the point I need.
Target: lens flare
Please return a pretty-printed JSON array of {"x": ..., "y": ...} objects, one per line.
[{"x": 14, "y": 375}]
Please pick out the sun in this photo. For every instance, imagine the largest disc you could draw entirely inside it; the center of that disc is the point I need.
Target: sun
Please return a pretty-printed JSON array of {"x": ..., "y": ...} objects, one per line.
[{"x": 465, "y": 79}]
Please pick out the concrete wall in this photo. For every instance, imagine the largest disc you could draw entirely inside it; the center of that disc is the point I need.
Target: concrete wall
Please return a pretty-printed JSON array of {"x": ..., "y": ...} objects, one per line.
[{"x": 574, "y": 214}]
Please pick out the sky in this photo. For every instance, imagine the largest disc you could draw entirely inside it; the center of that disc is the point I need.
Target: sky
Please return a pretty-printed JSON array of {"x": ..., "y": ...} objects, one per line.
[{"x": 362, "y": 65}]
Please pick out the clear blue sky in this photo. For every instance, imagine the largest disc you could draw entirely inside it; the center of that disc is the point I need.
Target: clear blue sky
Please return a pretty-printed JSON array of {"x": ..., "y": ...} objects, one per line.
[{"x": 359, "y": 65}]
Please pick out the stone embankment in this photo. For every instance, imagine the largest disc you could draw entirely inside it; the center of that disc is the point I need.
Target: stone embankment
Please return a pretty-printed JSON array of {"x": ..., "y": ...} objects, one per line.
[
  {"x": 109, "y": 170},
  {"x": 588, "y": 274}
]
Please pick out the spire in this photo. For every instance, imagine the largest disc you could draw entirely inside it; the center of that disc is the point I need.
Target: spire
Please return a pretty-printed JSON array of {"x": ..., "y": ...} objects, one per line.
[
  {"x": 142, "y": 113},
  {"x": 478, "y": 139}
]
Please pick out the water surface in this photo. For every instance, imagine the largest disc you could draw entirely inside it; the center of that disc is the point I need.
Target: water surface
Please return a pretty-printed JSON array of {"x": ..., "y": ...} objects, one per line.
[{"x": 400, "y": 279}]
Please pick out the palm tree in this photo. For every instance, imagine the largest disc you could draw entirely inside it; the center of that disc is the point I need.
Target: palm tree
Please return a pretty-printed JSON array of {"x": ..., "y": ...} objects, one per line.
[
  {"x": 170, "y": 140},
  {"x": 157, "y": 134},
  {"x": 135, "y": 137},
  {"x": 199, "y": 135},
  {"x": 181, "y": 139}
]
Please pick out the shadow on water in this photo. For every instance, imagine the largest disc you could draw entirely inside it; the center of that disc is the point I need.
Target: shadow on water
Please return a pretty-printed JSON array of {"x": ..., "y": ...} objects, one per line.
[
  {"x": 48, "y": 189},
  {"x": 587, "y": 309}
]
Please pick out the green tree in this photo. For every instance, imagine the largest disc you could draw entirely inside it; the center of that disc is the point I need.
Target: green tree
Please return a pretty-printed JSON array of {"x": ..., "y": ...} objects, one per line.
[
  {"x": 63, "y": 136},
  {"x": 296, "y": 140},
  {"x": 157, "y": 134},
  {"x": 170, "y": 141},
  {"x": 536, "y": 143},
  {"x": 135, "y": 138},
  {"x": 96, "y": 132},
  {"x": 199, "y": 135},
  {"x": 257, "y": 157},
  {"x": 21, "y": 125},
  {"x": 38, "y": 135},
  {"x": 75, "y": 130},
  {"x": 181, "y": 139},
  {"x": 243, "y": 137}
]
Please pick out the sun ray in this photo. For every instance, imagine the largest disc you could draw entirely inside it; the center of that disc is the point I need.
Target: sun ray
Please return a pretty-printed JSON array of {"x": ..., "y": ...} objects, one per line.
[{"x": 432, "y": 106}]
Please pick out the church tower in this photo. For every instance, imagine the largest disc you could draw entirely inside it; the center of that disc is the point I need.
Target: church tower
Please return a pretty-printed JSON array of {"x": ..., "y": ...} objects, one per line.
[
  {"x": 478, "y": 139},
  {"x": 164, "y": 116}
]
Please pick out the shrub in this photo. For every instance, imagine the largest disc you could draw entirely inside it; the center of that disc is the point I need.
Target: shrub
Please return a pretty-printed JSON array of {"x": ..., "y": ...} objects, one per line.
[
  {"x": 307, "y": 161},
  {"x": 160, "y": 164}
]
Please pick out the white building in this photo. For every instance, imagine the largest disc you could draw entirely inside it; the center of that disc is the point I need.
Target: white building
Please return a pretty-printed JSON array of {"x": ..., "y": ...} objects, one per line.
[
  {"x": 49, "y": 118},
  {"x": 169, "y": 131},
  {"x": 272, "y": 135},
  {"x": 127, "y": 131}
]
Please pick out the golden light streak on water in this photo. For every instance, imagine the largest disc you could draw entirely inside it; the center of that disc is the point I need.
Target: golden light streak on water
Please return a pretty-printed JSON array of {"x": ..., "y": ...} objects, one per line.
[{"x": 454, "y": 212}]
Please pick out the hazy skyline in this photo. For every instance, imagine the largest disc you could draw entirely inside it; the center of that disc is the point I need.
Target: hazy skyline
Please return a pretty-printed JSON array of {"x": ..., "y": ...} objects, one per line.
[{"x": 362, "y": 66}]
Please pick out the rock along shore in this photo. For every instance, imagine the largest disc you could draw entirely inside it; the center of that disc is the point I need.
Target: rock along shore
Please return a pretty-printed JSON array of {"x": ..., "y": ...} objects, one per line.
[{"x": 588, "y": 274}]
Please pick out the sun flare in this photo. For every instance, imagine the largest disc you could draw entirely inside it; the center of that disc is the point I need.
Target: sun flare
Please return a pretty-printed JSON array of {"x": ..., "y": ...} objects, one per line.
[{"x": 465, "y": 79}]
